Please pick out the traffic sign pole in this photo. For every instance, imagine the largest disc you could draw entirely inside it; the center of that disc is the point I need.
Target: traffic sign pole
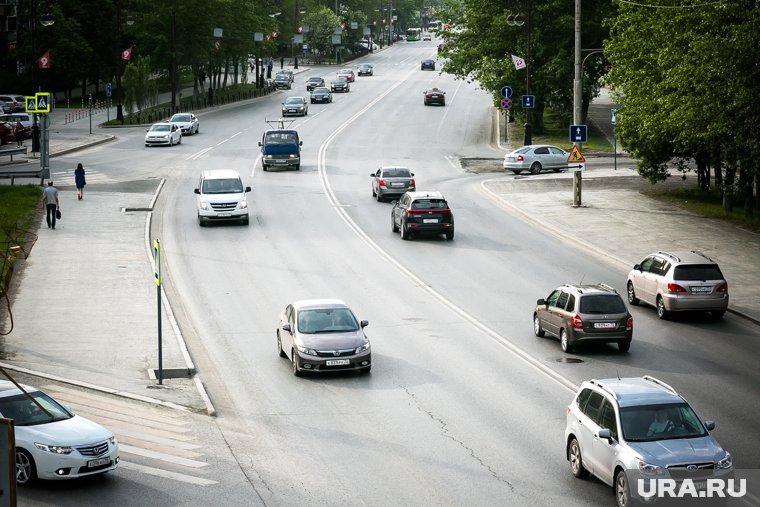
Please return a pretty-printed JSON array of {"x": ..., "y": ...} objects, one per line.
[
  {"x": 157, "y": 280},
  {"x": 578, "y": 136}
]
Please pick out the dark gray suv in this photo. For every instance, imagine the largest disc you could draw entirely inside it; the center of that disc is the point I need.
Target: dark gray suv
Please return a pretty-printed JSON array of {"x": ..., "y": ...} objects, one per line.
[{"x": 584, "y": 313}]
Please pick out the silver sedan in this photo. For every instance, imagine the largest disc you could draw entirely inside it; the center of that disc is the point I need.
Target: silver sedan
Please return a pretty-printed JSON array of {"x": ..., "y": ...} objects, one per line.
[
  {"x": 392, "y": 182},
  {"x": 536, "y": 158},
  {"x": 188, "y": 122}
]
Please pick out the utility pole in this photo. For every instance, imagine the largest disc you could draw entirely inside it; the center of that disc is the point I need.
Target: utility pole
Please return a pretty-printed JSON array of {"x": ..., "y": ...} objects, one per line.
[{"x": 577, "y": 101}]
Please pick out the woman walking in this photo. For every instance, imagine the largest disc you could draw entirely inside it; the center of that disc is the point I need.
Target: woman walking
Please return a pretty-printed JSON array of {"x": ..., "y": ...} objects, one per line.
[{"x": 79, "y": 180}]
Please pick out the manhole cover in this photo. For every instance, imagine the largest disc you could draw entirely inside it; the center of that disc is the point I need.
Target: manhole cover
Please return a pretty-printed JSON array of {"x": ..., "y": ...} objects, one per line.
[{"x": 569, "y": 360}]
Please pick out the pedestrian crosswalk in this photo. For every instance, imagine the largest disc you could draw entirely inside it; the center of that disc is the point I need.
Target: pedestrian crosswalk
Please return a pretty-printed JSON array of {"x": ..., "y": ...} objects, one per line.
[
  {"x": 66, "y": 177},
  {"x": 153, "y": 439}
]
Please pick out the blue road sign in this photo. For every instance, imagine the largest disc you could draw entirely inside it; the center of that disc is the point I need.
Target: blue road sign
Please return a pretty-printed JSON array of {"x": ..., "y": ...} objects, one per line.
[
  {"x": 108, "y": 89},
  {"x": 613, "y": 116},
  {"x": 506, "y": 92},
  {"x": 506, "y": 103},
  {"x": 528, "y": 101},
  {"x": 578, "y": 133}
]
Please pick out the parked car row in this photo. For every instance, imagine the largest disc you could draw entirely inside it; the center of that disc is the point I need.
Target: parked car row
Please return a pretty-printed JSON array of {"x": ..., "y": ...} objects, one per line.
[{"x": 170, "y": 132}]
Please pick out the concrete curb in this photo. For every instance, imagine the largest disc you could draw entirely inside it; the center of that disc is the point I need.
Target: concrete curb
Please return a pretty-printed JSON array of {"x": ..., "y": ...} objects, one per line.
[{"x": 510, "y": 208}]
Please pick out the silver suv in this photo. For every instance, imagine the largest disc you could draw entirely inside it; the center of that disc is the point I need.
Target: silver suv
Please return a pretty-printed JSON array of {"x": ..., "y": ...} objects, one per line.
[
  {"x": 679, "y": 281},
  {"x": 621, "y": 430},
  {"x": 584, "y": 313}
]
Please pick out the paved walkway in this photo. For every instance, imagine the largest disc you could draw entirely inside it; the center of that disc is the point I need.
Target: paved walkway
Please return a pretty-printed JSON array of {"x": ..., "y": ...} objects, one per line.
[{"x": 85, "y": 310}]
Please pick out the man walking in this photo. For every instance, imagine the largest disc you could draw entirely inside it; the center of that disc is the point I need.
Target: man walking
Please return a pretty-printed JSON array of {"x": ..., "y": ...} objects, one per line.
[{"x": 50, "y": 203}]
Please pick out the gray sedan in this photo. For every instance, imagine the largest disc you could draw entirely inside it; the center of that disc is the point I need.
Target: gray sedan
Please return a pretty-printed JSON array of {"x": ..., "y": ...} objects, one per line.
[
  {"x": 323, "y": 335},
  {"x": 536, "y": 158},
  {"x": 392, "y": 181}
]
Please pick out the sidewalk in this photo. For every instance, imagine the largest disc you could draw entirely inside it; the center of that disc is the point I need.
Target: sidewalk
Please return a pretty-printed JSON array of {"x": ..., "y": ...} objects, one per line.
[{"x": 85, "y": 308}]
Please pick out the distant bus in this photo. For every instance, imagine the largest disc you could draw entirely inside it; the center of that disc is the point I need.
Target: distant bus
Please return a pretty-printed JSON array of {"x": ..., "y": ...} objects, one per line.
[
  {"x": 434, "y": 26},
  {"x": 413, "y": 34}
]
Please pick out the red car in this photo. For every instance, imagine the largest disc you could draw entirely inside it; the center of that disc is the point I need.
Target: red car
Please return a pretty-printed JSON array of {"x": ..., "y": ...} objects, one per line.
[
  {"x": 348, "y": 74},
  {"x": 7, "y": 133}
]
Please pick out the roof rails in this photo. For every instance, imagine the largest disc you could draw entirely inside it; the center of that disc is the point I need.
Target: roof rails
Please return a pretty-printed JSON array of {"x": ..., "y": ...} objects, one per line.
[
  {"x": 702, "y": 255},
  {"x": 660, "y": 383},
  {"x": 604, "y": 387},
  {"x": 675, "y": 257},
  {"x": 600, "y": 284},
  {"x": 279, "y": 123}
]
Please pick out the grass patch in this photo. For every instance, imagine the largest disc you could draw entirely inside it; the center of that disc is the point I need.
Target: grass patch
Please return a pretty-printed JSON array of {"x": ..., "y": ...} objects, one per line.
[
  {"x": 20, "y": 204},
  {"x": 707, "y": 204},
  {"x": 556, "y": 133}
]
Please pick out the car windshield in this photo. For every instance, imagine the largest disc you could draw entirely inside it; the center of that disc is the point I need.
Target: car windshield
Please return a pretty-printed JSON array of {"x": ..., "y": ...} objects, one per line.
[
  {"x": 696, "y": 272},
  {"x": 429, "y": 204},
  {"x": 321, "y": 91},
  {"x": 293, "y": 101},
  {"x": 280, "y": 138},
  {"x": 340, "y": 80},
  {"x": 326, "y": 320},
  {"x": 315, "y": 79},
  {"x": 160, "y": 128},
  {"x": 26, "y": 412},
  {"x": 396, "y": 172},
  {"x": 346, "y": 71},
  {"x": 222, "y": 186},
  {"x": 602, "y": 303},
  {"x": 181, "y": 118},
  {"x": 647, "y": 423},
  {"x": 281, "y": 77}
]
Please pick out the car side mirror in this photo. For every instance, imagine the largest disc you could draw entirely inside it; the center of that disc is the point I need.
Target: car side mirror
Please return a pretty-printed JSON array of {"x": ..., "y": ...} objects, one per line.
[
  {"x": 197, "y": 191},
  {"x": 541, "y": 302},
  {"x": 260, "y": 143},
  {"x": 710, "y": 425},
  {"x": 286, "y": 327},
  {"x": 247, "y": 189},
  {"x": 300, "y": 143},
  {"x": 637, "y": 267},
  {"x": 412, "y": 174},
  {"x": 364, "y": 323},
  {"x": 605, "y": 434},
  {"x": 372, "y": 174}
]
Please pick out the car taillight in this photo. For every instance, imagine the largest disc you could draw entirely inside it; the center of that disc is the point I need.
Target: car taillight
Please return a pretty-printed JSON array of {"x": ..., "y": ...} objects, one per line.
[
  {"x": 567, "y": 410},
  {"x": 411, "y": 183},
  {"x": 520, "y": 158},
  {"x": 381, "y": 182},
  {"x": 674, "y": 287},
  {"x": 629, "y": 323},
  {"x": 429, "y": 95},
  {"x": 722, "y": 288},
  {"x": 576, "y": 322}
]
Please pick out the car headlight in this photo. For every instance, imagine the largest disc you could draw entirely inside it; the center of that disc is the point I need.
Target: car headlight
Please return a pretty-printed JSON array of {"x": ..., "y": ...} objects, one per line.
[
  {"x": 292, "y": 155},
  {"x": 204, "y": 205},
  {"x": 727, "y": 462},
  {"x": 305, "y": 350},
  {"x": 267, "y": 156},
  {"x": 648, "y": 468},
  {"x": 55, "y": 449},
  {"x": 243, "y": 204},
  {"x": 362, "y": 348}
]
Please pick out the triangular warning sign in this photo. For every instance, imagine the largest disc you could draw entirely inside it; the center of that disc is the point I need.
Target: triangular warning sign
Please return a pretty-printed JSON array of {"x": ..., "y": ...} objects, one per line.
[
  {"x": 575, "y": 155},
  {"x": 42, "y": 103},
  {"x": 31, "y": 104}
]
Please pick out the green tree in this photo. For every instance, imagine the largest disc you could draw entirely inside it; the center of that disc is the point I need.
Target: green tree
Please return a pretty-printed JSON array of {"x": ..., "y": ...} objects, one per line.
[{"x": 138, "y": 85}]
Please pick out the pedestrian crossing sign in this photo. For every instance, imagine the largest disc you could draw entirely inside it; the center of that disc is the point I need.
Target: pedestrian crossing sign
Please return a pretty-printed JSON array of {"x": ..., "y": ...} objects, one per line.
[
  {"x": 575, "y": 155},
  {"x": 43, "y": 102},
  {"x": 31, "y": 104}
]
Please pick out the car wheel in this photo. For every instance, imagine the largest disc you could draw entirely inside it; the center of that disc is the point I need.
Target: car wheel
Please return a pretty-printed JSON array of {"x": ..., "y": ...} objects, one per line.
[
  {"x": 394, "y": 227},
  {"x": 564, "y": 342},
  {"x": 632, "y": 299},
  {"x": 294, "y": 362},
  {"x": 661, "y": 311},
  {"x": 535, "y": 168},
  {"x": 245, "y": 220},
  {"x": 624, "y": 346},
  {"x": 365, "y": 371},
  {"x": 171, "y": 141},
  {"x": 312, "y": 101},
  {"x": 298, "y": 167},
  {"x": 622, "y": 496},
  {"x": 450, "y": 235},
  {"x": 180, "y": 141},
  {"x": 279, "y": 346},
  {"x": 576, "y": 461},
  {"x": 201, "y": 221},
  {"x": 537, "y": 329},
  {"x": 404, "y": 233},
  {"x": 379, "y": 197},
  {"x": 717, "y": 315},
  {"x": 373, "y": 191},
  {"x": 26, "y": 470}
]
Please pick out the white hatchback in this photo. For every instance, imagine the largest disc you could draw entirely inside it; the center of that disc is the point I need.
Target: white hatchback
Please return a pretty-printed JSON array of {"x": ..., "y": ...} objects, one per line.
[
  {"x": 163, "y": 133},
  {"x": 51, "y": 442}
]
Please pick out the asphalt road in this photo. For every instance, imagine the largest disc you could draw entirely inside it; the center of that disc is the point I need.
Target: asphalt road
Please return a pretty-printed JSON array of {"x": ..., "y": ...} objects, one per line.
[{"x": 464, "y": 404}]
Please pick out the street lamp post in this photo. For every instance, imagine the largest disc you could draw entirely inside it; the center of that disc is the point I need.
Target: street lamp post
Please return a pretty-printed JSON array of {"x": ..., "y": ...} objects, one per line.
[
  {"x": 120, "y": 106},
  {"x": 45, "y": 20},
  {"x": 577, "y": 100},
  {"x": 518, "y": 20}
]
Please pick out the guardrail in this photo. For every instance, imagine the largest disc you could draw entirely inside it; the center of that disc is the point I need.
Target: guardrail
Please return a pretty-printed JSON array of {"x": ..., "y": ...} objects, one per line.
[
  {"x": 13, "y": 151},
  {"x": 23, "y": 173}
]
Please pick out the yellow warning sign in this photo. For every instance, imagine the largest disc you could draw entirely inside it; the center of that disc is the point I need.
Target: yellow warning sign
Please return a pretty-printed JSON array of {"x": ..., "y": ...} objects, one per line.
[{"x": 575, "y": 155}]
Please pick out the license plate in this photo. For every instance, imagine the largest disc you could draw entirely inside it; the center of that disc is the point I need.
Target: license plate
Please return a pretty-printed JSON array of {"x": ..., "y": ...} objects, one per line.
[
  {"x": 223, "y": 214},
  {"x": 291, "y": 110},
  {"x": 397, "y": 184},
  {"x": 337, "y": 362},
  {"x": 429, "y": 220},
  {"x": 700, "y": 290},
  {"x": 98, "y": 462},
  {"x": 604, "y": 325}
]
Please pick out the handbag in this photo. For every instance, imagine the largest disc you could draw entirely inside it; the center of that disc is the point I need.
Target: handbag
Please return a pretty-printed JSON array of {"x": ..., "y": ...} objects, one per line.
[{"x": 58, "y": 214}]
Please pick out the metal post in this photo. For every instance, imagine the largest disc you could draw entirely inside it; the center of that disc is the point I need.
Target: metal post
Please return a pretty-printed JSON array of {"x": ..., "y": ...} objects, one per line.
[
  {"x": 577, "y": 100},
  {"x": 157, "y": 280},
  {"x": 615, "y": 138},
  {"x": 528, "y": 138},
  {"x": 45, "y": 147}
]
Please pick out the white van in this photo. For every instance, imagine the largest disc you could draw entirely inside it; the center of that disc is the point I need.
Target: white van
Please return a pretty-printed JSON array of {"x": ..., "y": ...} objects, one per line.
[
  {"x": 25, "y": 118},
  {"x": 221, "y": 196}
]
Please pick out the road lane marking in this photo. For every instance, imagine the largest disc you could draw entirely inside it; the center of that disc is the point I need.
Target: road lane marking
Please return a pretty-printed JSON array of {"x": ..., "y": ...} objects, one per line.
[
  {"x": 517, "y": 351},
  {"x": 446, "y": 112},
  {"x": 145, "y": 453},
  {"x": 166, "y": 474},
  {"x": 197, "y": 155}
]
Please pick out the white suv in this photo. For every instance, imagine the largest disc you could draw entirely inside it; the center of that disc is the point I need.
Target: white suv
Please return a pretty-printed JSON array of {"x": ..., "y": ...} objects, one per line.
[
  {"x": 221, "y": 196},
  {"x": 631, "y": 429}
]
